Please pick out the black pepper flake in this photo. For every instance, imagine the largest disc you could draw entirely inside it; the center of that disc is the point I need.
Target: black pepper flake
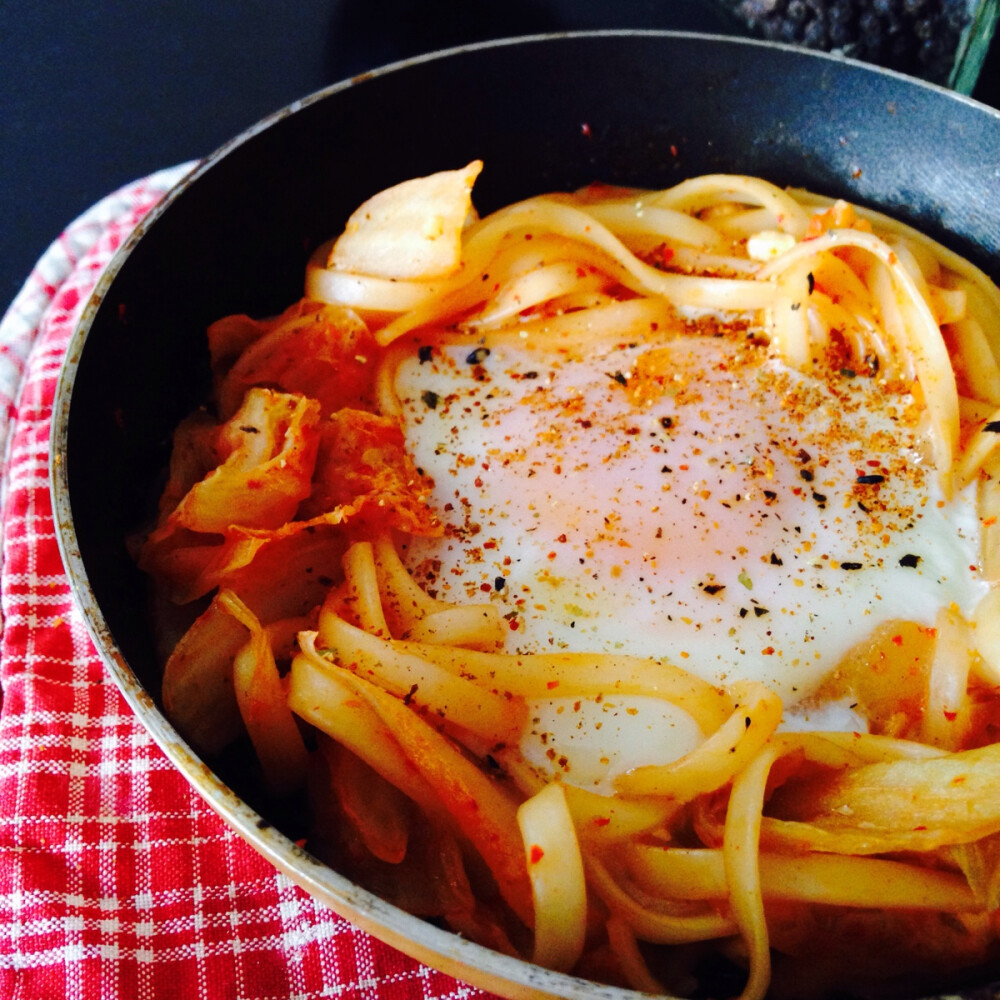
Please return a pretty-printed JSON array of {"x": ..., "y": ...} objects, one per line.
[
  {"x": 819, "y": 497},
  {"x": 666, "y": 468},
  {"x": 743, "y": 612},
  {"x": 851, "y": 565},
  {"x": 478, "y": 356},
  {"x": 812, "y": 282},
  {"x": 499, "y": 583},
  {"x": 848, "y": 373},
  {"x": 871, "y": 480},
  {"x": 861, "y": 506},
  {"x": 713, "y": 588},
  {"x": 247, "y": 429},
  {"x": 666, "y": 423},
  {"x": 759, "y": 611},
  {"x": 409, "y": 694},
  {"x": 909, "y": 561},
  {"x": 770, "y": 495},
  {"x": 618, "y": 377},
  {"x": 530, "y": 375},
  {"x": 806, "y": 474},
  {"x": 802, "y": 455},
  {"x": 746, "y": 722},
  {"x": 425, "y": 353},
  {"x": 431, "y": 399},
  {"x": 796, "y": 306},
  {"x": 776, "y": 560},
  {"x": 993, "y": 427}
]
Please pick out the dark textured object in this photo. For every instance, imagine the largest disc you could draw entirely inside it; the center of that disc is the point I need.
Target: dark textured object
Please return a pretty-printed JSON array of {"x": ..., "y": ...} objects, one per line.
[
  {"x": 919, "y": 37},
  {"x": 632, "y": 108}
]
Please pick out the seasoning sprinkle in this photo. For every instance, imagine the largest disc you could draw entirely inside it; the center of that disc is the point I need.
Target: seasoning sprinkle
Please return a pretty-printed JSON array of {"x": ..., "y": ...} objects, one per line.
[
  {"x": 431, "y": 399},
  {"x": 909, "y": 561},
  {"x": 425, "y": 353},
  {"x": 870, "y": 480},
  {"x": 478, "y": 356},
  {"x": 850, "y": 565},
  {"x": 993, "y": 427}
]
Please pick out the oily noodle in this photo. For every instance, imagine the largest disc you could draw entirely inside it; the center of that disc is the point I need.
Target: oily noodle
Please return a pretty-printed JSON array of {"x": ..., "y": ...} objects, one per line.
[{"x": 757, "y": 836}]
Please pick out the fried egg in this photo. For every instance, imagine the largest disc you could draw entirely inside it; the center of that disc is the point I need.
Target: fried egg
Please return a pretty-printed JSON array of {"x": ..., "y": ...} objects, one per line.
[{"x": 693, "y": 499}]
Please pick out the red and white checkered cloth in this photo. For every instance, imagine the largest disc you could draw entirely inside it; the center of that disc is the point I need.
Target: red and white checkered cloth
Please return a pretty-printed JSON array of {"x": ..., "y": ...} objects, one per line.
[{"x": 116, "y": 879}]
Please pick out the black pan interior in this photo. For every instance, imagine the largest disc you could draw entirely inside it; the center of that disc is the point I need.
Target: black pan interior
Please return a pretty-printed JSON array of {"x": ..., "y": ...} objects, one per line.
[{"x": 628, "y": 108}]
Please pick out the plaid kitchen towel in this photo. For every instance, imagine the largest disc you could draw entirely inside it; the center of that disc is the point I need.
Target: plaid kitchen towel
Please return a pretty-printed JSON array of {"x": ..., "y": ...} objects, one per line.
[{"x": 116, "y": 879}]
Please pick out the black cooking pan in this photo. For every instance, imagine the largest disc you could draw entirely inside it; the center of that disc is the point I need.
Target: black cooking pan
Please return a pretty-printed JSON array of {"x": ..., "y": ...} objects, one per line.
[{"x": 645, "y": 109}]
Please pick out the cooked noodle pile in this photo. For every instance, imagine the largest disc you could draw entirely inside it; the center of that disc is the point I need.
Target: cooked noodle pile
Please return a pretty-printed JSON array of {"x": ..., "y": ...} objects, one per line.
[{"x": 814, "y": 828}]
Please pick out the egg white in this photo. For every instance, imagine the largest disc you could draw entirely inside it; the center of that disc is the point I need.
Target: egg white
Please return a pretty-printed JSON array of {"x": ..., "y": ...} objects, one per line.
[{"x": 727, "y": 513}]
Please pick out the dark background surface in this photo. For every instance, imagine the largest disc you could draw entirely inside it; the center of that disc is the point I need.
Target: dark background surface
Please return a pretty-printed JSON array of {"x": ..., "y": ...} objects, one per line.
[{"x": 94, "y": 95}]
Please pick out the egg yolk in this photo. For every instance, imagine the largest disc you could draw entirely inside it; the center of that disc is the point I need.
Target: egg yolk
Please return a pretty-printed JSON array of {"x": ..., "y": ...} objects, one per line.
[{"x": 695, "y": 500}]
